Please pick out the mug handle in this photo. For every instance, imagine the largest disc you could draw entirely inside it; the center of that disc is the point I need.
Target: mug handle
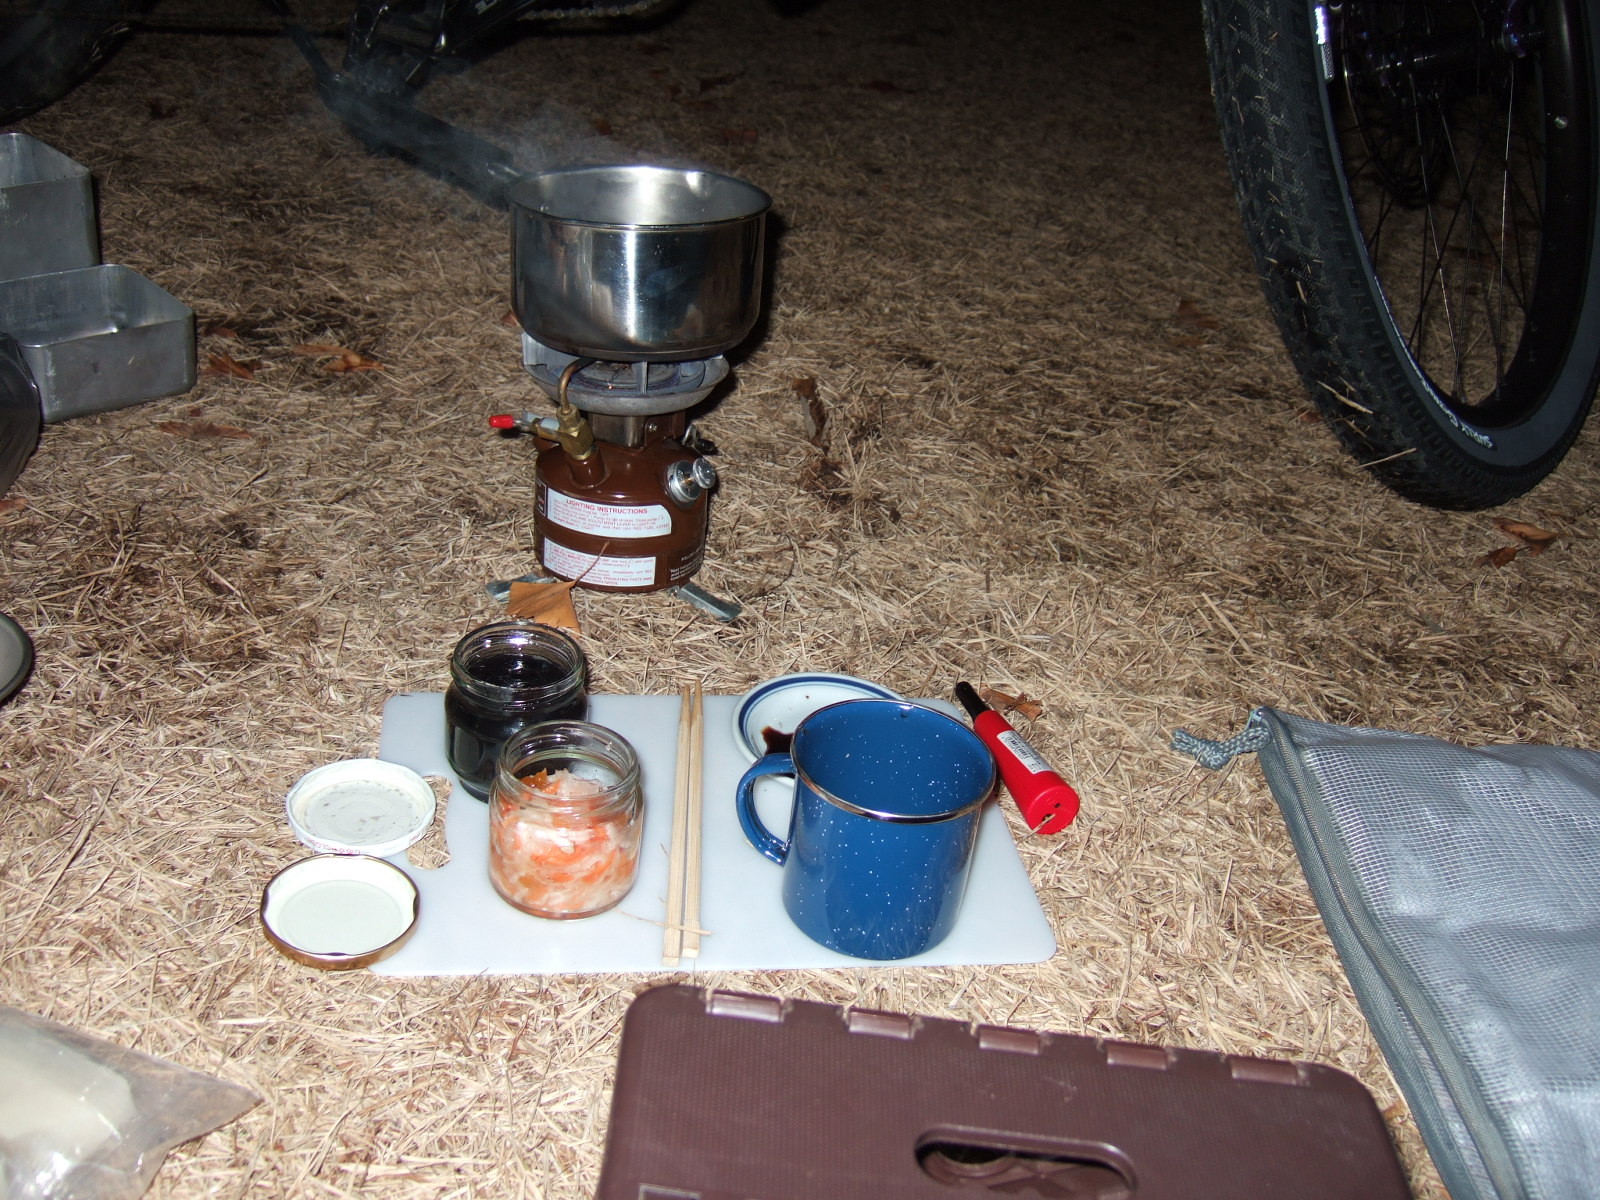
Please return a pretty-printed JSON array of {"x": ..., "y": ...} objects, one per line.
[{"x": 760, "y": 837}]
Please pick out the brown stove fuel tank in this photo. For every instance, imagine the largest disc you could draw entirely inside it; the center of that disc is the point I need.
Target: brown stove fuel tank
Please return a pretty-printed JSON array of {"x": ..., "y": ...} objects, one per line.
[{"x": 614, "y": 525}]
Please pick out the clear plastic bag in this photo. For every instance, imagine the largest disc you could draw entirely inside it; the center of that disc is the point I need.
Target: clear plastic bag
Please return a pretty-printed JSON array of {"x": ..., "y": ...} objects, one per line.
[{"x": 82, "y": 1118}]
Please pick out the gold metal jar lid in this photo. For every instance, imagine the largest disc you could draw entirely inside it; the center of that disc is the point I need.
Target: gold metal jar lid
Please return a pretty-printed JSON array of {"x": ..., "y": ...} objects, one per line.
[{"x": 339, "y": 912}]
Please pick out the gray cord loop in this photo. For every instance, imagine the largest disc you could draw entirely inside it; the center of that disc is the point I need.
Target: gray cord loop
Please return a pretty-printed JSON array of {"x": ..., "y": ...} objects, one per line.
[{"x": 1218, "y": 754}]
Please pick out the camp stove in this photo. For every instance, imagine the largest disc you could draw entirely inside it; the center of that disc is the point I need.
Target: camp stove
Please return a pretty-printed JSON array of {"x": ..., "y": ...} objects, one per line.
[{"x": 630, "y": 283}]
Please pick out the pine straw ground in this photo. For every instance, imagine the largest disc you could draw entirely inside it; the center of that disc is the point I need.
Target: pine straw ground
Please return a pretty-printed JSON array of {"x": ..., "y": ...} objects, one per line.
[{"x": 1040, "y": 469}]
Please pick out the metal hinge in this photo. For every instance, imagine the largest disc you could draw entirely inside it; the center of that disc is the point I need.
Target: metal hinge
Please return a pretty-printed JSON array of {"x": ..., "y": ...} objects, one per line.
[{"x": 769, "y": 1009}]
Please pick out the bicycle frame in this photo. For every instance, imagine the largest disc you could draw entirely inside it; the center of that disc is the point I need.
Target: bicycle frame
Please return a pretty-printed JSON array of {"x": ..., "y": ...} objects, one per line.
[{"x": 415, "y": 34}]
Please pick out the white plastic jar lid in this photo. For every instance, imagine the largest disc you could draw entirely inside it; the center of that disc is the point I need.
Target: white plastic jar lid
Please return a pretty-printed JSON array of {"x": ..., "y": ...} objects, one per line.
[{"x": 360, "y": 806}]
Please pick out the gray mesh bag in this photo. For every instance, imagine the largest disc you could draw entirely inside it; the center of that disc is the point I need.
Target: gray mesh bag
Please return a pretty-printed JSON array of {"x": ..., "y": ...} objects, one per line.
[{"x": 1461, "y": 887}]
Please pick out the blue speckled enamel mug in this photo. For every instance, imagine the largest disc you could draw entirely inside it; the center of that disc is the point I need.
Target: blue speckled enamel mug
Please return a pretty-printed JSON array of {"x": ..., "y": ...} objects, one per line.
[{"x": 886, "y": 803}]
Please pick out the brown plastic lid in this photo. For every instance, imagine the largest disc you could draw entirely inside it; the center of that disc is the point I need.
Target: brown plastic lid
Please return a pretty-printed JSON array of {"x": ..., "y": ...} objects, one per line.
[{"x": 727, "y": 1096}]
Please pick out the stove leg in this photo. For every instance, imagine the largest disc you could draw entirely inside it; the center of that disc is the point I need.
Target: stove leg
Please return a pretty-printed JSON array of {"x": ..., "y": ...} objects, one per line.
[{"x": 722, "y": 610}]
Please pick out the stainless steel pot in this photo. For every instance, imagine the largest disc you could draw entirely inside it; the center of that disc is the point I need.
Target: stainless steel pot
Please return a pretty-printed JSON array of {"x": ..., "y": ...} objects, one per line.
[{"x": 637, "y": 263}]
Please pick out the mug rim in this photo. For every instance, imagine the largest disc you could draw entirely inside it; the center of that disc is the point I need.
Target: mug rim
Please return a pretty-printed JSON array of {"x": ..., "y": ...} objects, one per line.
[{"x": 895, "y": 818}]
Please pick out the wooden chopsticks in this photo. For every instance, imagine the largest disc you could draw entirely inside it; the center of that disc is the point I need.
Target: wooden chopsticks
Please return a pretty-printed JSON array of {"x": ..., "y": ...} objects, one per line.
[
  {"x": 683, "y": 861},
  {"x": 691, "y": 883}
]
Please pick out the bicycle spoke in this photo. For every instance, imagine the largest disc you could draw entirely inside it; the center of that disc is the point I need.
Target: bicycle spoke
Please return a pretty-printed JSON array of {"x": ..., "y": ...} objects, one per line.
[{"x": 1444, "y": 169}]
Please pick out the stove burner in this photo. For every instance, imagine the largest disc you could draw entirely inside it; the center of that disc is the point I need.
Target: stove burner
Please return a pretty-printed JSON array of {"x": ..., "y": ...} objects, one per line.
[{"x": 624, "y": 389}]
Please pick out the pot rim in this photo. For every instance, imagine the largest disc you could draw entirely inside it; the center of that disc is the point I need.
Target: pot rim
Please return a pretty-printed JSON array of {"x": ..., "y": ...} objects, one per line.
[{"x": 529, "y": 197}]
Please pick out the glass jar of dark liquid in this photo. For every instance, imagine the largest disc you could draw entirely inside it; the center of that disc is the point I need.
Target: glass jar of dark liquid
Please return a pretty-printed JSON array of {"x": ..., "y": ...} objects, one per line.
[{"x": 503, "y": 678}]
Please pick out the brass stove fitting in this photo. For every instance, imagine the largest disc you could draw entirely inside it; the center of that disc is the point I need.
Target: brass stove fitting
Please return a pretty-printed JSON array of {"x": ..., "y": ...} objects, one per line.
[{"x": 572, "y": 429}]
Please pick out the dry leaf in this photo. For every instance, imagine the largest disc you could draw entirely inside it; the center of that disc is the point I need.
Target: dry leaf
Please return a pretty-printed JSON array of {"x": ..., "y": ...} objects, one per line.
[
  {"x": 1536, "y": 539},
  {"x": 1191, "y": 316},
  {"x": 216, "y": 329},
  {"x": 712, "y": 82},
  {"x": 745, "y": 137},
  {"x": 203, "y": 429},
  {"x": 226, "y": 364},
  {"x": 547, "y": 603},
  {"x": 14, "y": 504},
  {"x": 1186, "y": 341},
  {"x": 1500, "y": 557},
  {"x": 815, "y": 418},
  {"x": 344, "y": 359},
  {"x": 885, "y": 86},
  {"x": 1003, "y": 703},
  {"x": 352, "y": 361},
  {"x": 601, "y": 126}
]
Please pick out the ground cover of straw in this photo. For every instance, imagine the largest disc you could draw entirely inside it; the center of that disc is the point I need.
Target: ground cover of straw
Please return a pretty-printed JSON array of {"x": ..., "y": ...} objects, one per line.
[{"x": 1061, "y": 452}]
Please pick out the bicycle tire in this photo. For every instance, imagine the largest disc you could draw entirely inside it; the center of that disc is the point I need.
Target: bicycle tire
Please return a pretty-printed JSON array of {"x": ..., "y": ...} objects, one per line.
[
  {"x": 1478, "y": 416},
  {"x": 52, "y": 46}
]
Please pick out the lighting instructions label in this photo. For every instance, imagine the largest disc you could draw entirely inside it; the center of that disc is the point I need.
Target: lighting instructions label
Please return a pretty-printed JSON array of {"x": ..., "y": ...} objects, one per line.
[
  {"x": 607, "y": 520},
  {"x": 605, "y": 570}
]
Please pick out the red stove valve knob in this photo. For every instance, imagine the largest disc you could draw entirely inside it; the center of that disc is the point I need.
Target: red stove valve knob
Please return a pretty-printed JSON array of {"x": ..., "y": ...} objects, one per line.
[{"x": 528, "y": 422}]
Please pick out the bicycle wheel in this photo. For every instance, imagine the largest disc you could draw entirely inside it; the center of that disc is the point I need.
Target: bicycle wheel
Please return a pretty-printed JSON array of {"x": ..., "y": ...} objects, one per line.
[
  {"x": 47, "y": 47},
  {"x": 1418, "y": 185}
]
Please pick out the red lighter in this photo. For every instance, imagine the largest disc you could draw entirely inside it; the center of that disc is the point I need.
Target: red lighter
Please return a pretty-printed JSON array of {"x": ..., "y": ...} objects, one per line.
[{"x": 1047, "y": 802}]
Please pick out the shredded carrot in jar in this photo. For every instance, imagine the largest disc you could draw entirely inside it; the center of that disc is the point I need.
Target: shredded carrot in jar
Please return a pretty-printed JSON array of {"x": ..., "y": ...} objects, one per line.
[{"x": 558, "y": 858}]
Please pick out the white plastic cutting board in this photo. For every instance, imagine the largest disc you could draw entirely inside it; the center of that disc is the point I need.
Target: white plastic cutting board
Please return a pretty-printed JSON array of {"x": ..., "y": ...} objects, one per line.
[{"x": 464, "y": 928}]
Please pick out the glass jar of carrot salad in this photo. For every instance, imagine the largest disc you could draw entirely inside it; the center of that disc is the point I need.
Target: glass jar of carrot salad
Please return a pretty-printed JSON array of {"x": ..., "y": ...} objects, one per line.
[{"x": 566, "y": 814}]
